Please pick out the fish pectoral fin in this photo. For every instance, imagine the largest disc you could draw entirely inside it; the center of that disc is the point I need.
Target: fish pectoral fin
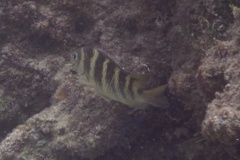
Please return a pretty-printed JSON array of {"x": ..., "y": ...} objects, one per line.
[{"x": 85, "y": 80}]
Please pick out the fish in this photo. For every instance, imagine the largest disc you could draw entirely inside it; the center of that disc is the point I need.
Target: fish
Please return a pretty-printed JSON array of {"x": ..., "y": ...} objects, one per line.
[
  {"x": 197, "y": 138},
  {"x": 111, "y": 82}
]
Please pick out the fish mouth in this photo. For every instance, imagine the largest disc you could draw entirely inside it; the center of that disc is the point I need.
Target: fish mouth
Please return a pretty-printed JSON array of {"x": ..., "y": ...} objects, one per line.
[{"x": 73, "y": 72}]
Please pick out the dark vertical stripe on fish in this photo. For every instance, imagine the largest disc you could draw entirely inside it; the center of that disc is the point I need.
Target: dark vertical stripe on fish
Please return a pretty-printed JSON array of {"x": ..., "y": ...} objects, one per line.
[
  {"x": 88, "y": 53},
  {"x": 130, "y": 87},
  {"x": 121, "y": 82},
  {"x": 99, "y": 68},
  {"x": 110, "y": 73}
]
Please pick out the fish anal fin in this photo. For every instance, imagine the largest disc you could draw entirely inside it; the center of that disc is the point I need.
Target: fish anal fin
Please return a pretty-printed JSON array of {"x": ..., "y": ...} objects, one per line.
[
  {"x": 105, "y": 97},
  {"x": 137, "y": 107}
]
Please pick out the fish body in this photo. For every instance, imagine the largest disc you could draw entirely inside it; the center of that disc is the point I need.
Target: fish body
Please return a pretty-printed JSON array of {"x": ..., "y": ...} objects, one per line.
[{"x": 112, "y": 82}]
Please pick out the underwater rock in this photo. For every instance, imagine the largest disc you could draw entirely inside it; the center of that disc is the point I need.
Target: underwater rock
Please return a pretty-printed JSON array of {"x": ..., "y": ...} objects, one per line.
[
  {"x": 218, "y": 77},
  {"x": 78, "y": 124},
  {"x": 23, "y": 82},
  {"x": 218, "y": 81}
]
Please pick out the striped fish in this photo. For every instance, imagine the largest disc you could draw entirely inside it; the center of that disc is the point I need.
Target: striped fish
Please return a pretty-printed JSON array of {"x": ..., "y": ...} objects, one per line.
[{"x": 113, "y": 83}]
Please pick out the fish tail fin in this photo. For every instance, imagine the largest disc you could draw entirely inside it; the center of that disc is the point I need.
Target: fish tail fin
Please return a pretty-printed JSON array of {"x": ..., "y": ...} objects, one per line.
[
  {"x": 141, "y": 80},
  {"x": 155, "y": 97},
  {"x": 197, "y": 138}
]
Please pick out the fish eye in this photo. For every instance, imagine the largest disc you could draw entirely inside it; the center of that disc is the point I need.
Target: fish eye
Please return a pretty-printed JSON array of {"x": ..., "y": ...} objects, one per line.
[{"x": 75, "y": 55}]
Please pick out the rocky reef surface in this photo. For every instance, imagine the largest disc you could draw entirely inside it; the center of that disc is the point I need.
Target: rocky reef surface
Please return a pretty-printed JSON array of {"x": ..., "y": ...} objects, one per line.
[{"x": 47, "y": 113}]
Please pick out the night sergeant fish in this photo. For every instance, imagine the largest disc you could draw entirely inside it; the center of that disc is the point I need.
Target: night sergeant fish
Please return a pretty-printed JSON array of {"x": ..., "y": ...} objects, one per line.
[{"x": 113, "y": 83}]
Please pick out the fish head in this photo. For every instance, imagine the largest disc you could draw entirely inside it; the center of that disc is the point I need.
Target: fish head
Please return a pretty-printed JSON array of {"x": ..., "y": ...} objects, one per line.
[{"x": 75, "y": 61}]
